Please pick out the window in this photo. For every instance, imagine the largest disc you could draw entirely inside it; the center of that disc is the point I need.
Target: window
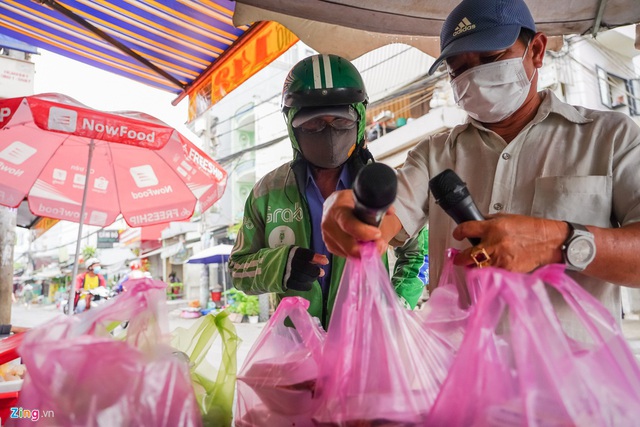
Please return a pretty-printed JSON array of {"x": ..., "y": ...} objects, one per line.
[
  {"x": 633, "y": 87},
  {"x": 617, "y": 92}
]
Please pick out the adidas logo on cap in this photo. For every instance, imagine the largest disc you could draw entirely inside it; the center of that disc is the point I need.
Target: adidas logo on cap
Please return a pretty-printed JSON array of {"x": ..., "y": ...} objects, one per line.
[{"x": 463, "y": 26}]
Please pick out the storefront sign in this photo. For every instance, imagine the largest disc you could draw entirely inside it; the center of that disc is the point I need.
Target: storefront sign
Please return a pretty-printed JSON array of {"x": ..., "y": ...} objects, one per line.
[
  {"x": 260, "y": 47},
  {"x": 106, "y": 238},
  {"x": 130, "y": 236},
  {"x": 42, "y": 225},
  {"x": 16, "y": 77}
]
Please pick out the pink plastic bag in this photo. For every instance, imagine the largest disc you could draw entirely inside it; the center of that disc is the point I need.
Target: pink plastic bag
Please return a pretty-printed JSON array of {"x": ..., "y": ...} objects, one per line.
[
  {"x": 446, "y": 313},
  {"x": 518, "y": 367},
  {"x": 80, "y": 375},
  {"x": 380, "y": 366},
  {"x": 278, "y": 379}
]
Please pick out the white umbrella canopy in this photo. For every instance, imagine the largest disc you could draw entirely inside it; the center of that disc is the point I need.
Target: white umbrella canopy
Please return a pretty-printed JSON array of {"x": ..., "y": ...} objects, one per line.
[
  {"x": 218, "y": 254},
  {"x": 351, "y": 28}
]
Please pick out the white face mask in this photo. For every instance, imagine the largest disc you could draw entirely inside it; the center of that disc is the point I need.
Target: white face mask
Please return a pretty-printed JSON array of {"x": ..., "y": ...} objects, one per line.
[{"x": 492, "y": 92}]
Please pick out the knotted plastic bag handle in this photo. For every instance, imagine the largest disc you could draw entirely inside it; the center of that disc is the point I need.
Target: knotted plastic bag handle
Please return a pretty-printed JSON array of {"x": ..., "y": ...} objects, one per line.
[{"x": 295, "y": 308}]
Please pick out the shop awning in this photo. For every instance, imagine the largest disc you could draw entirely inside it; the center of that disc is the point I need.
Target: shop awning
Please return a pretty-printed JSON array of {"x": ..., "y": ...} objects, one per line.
[
  {"x": 165, "y": 251},
  {"x": 11, "y": 43},
  {"x": 152, "y": 253},
  {"x": 193, "y": 46},
  {"x": 351, "y": 28},
  {"x": 180, "y": 39},
  {"x": 171, "y": 250},
  {"x": 173, "y": 45}
]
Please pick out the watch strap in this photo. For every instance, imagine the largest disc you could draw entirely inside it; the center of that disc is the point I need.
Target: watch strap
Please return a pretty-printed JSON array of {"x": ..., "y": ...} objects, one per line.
[
  {"x": 573, "y": 227},
  {"x": 575, "y": 230}
]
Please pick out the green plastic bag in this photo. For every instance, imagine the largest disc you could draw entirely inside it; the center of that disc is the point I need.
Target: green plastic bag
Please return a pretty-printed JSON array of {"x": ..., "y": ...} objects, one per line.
[{"x": 214, "y": 388}]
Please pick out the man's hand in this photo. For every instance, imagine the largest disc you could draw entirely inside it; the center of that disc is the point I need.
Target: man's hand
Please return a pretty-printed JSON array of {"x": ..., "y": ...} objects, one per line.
[
  {"x": 514, "y": 242},
  {"x": 341, "y": 230},
  {"x": 303, "y": 268}
]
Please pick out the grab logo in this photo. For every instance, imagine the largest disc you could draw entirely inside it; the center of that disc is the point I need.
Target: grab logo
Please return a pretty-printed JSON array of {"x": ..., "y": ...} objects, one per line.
[
  {"x": 62, "y": 119},
  {"x": 280, "y": 236}
]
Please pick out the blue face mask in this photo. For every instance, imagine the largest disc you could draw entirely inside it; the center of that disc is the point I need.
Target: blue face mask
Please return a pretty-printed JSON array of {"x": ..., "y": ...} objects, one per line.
[{"x": 97, "y": 270}]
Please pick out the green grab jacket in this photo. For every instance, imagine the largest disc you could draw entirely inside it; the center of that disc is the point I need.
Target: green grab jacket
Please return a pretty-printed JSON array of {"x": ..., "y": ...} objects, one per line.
[{"x": 276, "y": 218}]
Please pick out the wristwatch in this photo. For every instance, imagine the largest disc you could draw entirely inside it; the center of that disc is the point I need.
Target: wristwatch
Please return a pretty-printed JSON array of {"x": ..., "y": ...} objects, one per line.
[{"x": 580, "y": 247}]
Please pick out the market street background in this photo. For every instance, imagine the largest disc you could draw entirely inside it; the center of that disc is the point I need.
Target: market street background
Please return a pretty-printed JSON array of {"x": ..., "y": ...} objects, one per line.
[{"x": 37, "y": 315}]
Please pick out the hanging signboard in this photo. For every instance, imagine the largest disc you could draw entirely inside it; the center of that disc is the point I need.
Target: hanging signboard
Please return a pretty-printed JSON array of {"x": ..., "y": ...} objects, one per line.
[
  {"x": 42, "y": 225},
  {"x": 106, "y": 238},
  {"x": 16, "y": 77},
  {"x": 258, "y": 48}
]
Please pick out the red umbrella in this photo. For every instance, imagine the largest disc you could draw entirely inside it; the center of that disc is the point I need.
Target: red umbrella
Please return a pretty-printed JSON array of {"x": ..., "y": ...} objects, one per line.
[{"x": 139, "y": 166}]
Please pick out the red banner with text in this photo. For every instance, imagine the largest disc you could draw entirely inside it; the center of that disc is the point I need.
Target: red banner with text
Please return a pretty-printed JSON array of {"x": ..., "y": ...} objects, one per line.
[{"x": 261, "y": 46}]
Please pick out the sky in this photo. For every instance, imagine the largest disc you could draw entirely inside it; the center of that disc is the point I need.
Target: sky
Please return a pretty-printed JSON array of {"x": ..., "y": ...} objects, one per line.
[{"x": 102, "y": 90}]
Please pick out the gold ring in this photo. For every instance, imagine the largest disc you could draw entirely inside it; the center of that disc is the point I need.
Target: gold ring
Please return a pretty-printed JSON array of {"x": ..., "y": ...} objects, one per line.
[{"x": 480, "y": 257}]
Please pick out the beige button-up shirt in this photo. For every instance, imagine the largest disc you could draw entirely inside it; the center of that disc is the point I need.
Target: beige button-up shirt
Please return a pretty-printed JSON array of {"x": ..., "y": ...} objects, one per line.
[{"x": 569, "y": 163}]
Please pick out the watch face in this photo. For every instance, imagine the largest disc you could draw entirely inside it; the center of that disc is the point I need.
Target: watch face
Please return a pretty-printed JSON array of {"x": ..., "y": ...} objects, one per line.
[{"x": 581, "y": 251}]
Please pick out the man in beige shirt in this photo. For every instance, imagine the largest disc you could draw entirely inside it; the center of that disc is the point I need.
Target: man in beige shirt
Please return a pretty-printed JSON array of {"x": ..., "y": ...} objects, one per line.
[{"x": 556, "y": 183}]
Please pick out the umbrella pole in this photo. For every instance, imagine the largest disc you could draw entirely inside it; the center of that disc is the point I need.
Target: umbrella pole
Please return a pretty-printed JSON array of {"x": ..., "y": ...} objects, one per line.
[{"x": 72, "y": 285}]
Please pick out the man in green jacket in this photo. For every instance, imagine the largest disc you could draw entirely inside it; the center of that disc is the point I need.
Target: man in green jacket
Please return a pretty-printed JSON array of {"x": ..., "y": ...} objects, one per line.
[{"x": 279, "y": 246}]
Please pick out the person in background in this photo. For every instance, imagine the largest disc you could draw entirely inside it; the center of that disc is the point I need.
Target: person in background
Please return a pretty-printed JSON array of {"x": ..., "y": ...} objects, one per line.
[
  {"x": 279, "y": 247},
  {"x": 135, "y": 272},
  {"x": 46, "y": 285},
  {"x": 173, "y": 277},
  {"x": 27, "y": 294},
  {"x": 557, "y": 183},
  {"x": 87, "y": 281}
]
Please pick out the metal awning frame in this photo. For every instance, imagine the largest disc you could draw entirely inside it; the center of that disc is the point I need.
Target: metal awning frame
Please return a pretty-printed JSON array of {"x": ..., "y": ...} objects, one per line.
[
  {"x": 184, "y": 88},
  {"x": 106, "y": 37}
]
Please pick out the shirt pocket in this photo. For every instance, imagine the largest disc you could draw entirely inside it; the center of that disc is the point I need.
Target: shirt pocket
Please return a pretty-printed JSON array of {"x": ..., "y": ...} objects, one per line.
[{"x": 582, "y": 199}]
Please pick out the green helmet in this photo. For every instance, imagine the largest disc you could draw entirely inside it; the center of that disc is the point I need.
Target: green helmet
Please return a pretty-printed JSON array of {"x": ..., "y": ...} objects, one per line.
[
  {"x": 324, "y": 81},
  {"x": 321, "y": 81}
]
